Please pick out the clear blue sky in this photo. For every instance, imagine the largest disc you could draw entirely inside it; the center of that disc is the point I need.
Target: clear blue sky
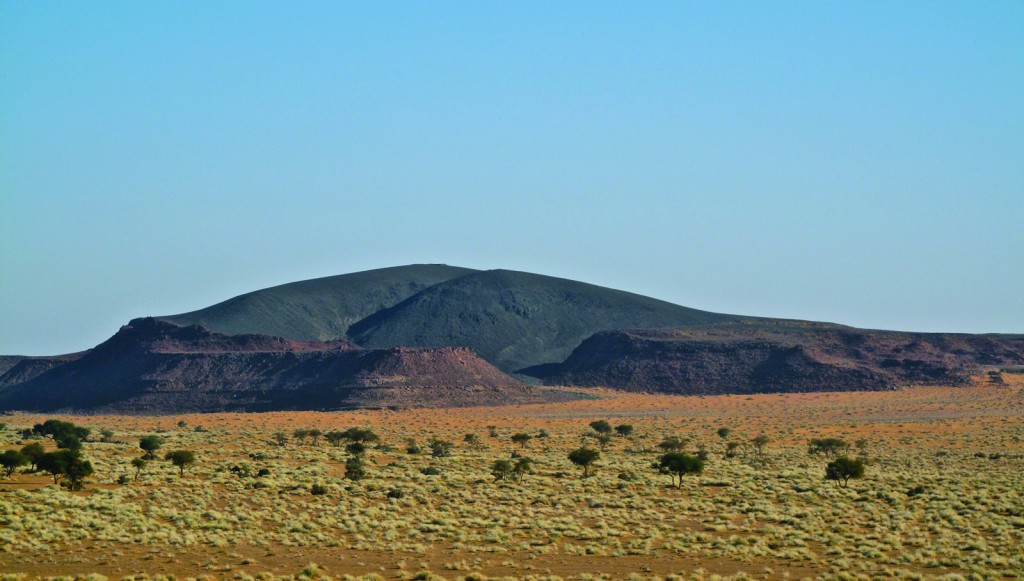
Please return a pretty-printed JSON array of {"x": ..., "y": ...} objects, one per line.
[{"x": 854, "y": 162}]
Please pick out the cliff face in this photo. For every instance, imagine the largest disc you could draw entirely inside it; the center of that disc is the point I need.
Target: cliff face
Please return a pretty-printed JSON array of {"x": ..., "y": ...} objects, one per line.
[
  {"x": 749, "y": 358},
  {"x": 154, "y": 367}
]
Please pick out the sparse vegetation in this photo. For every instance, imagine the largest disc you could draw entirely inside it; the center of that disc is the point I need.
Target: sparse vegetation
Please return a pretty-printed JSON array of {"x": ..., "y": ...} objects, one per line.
[{"x": 925, "y": 506}]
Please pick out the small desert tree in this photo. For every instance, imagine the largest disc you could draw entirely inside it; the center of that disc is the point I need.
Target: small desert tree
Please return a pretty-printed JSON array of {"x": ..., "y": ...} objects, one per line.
[
  {"x": 584, "y": 457},
  {"x": 56, "y": 464},
  {"x": 672, "y": 443},
  {"x": 501, "y": 469},
  {"x": 828, "y": 447},
  {"x": 473, "y": 442},
  {"x": 315, "y": 434},
  {"x": 522, "y": 439},
  {"x": 678, "y": 464},
  {"x": 842, "y": 469},
  {"x": 624, "y": 430},
  {"x": 183, "y": 459},
  {"x": 10, "y": 460},
  {"x": 723, "y": 433},
  {"x": 523, "y": 467},
  {"x": 335, "y": 437},
  {"x": 601, "y": 426},
  {"x": 139, "y": 464},
  {"x": 440, "y": 448},
  {"x": 149, "y": 445},
  {"x": 364, "y": 435},
  {"x": 355, "y": 469},
  {"x": 759, "y": 442},
  {"x": 77, "y": 471},
  {"x": 730, "y": 449},
  {"x": 603, "y": 440},
  {"x": 68, "y": 441},
  {"x": 33, "y": 452}
]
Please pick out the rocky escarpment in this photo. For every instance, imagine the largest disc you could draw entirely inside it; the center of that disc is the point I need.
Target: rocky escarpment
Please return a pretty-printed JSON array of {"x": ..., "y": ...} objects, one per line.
[
  {"x": 151, "y": 366},
  {"x": 777, "y": 357}
]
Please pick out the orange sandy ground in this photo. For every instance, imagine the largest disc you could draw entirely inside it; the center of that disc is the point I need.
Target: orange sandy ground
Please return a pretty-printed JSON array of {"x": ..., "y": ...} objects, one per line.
[{"x": 934, "y": 414}]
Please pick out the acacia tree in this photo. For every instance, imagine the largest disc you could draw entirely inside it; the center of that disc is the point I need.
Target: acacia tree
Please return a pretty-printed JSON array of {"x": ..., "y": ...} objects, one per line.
[
  {"x": 759, "y": 442},
  {"x": 601, "y": 426},
  {"x": 673, "y": 443},
  {"x": 315, "y": 434},
  {"x": 335, "y": 437},
  {"x": 149, "y": 445},
  {"x": 624, "y": 430},
  {"x": 585, "y": 458},
  {"x": 522, "y": 439},
  {"x": 364, "y": 435},
  {"x": 828, "y": 447},
  {"x": 57, "y": 463},
  {"x": 10, "y": 460},
  {"x": 355, "y": 469},
  {"x": 523, "y": 467},
  {"x": 33, "y": 452},
  {"x": 501, "y": 469},
  {"x": 77, "y": 471},
  {"x": 182, "y": 459},
  {"x": 678, "y": 464},
  {"x": 440, "y": 448},
  {"x": 842, "y": 469},
  {"x": 139, "y": 464}
]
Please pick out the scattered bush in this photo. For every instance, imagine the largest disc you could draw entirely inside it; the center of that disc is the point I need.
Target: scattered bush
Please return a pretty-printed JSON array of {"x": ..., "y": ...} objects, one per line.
[
  {"x": 183, "y": 459},
  {"x": 584, "y": 457},
  {"x": 678, "y": 464},
  {"x": 842, "y": 469}
]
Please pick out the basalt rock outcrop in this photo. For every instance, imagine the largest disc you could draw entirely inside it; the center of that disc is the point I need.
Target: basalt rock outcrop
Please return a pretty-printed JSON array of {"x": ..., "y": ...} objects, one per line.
[
  {"x": 759, "y": 357},
  {"x": 152, "y": 366}
]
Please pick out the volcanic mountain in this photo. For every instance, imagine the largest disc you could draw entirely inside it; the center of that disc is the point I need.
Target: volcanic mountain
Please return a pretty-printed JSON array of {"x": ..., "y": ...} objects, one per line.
[
  {"x": 153, "y": 366},
  {"x": 511, "y": 319},
  {"x": 320, "y": 309},
  {"x": 437, "y": 335}
]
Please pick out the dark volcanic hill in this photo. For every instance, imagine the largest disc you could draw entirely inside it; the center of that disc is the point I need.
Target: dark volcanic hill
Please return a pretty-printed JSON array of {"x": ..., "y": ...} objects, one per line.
[
  {"x": 511, "y": 319},
  {"x": 517, "y": 319},
  {"x": 411, "y": 336},
  {"x": 152, "y": 366},
  {"x": 320, "y": 309},
  {"x": 758, "y": 357}
]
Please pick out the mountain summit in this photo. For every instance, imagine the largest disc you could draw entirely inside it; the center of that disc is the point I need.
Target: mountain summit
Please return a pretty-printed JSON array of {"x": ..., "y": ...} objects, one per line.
[{"x": 512, "y": 319}]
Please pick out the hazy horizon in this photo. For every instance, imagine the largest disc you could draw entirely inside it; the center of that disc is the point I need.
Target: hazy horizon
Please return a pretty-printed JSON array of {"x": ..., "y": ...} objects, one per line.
[{"x": 858, "y": 164}]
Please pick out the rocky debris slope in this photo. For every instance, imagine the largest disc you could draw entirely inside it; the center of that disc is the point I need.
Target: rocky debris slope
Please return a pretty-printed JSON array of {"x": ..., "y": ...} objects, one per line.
[
  {"x": 777, "y": 357},
  {"x": 151, "y": 366}
]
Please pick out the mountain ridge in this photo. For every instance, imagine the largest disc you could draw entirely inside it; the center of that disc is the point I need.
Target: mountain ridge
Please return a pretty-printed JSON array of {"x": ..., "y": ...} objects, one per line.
[{"x": 152, "y": 366}]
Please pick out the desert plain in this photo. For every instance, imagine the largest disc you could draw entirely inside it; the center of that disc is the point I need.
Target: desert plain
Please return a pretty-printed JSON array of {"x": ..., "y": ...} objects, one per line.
[{"x": 942, "y": 495}]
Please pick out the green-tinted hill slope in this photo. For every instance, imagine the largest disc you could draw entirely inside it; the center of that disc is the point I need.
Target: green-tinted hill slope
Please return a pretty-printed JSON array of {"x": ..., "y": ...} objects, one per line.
[
  {"x": 320, "y": 309},
  {"x": 515, "y": 319}
]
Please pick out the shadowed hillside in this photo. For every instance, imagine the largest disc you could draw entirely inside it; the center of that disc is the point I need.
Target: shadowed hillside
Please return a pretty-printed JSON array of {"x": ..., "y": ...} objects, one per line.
[
  {"x": 758, "y": 357},
  {"x": 151, "y": 366},
  {"x": 517, "y": 319},
  {"x": 320, "y": 309}
]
